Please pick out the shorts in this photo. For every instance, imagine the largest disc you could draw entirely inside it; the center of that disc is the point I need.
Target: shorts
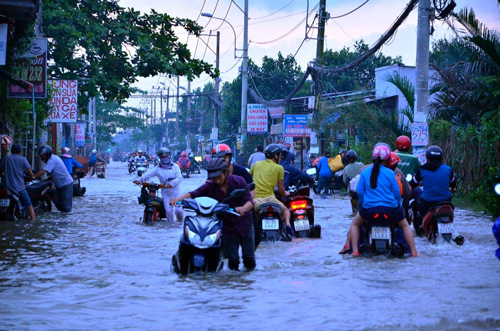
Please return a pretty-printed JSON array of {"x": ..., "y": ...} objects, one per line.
[
  {"x": 25, "y": 198},
  {"x": 271, "y": 198},
  {"x": 394, "y": 215}
]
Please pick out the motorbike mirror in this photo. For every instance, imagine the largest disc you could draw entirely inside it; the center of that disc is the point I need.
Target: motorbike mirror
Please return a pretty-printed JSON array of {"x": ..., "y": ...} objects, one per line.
[
  {"x": 161, "y": 186},
  {"x": 497, "y": 188},
  {"x": 251, "y": 186},
  {"x": 238, "y": 193},
  {"x": 409, "y": 177},
  {"x": 139, "y": 173},
  {"x": 145, "y": 184},
  {"x": 311, "y": 171}
]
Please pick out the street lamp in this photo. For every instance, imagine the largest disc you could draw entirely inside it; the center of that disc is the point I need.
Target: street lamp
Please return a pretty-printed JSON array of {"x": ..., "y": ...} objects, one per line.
[{"x": 244, "y": 69}]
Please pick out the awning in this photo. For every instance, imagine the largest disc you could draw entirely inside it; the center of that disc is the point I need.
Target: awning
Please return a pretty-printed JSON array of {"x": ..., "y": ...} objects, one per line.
[{"x": 6, "y": 140}]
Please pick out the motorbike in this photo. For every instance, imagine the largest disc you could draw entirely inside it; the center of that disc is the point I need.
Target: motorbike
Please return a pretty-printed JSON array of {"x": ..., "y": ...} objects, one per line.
[
  {"x": 195, "y": 167},
  {"x": 41, "y": 193},
  {"x": 100, "y": 171},
  {"x": 142, "y": 167},
  {"x": 123, "y": 159},
  {"x": 438, "y": 221},
  {"x": 78, "y": 191},
  {"x": 185, "y": 172},
  {"x": 272, "y": 225},
  {"x": 301, "y": 210},
  {"x": 131, "y": 167},
  {"x": 201, "y": 240},
  {"x": 10, "y": 205},
  {"x": 382, "y": 239},
  {"x": 154, "y": 210}
]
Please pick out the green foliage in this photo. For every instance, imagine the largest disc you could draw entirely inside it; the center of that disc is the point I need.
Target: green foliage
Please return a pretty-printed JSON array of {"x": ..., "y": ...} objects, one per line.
[{"x": 107, "y": 47}]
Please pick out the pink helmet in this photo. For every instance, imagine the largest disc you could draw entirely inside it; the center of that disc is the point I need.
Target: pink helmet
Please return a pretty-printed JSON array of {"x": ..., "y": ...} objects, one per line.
[{"x": 381, "y": 152}]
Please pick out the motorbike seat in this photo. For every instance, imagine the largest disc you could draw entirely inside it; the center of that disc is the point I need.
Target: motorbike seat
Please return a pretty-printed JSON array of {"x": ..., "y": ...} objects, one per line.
[
  {"x": 37, "y": 187},
  {"x": 274, "y": 206}
]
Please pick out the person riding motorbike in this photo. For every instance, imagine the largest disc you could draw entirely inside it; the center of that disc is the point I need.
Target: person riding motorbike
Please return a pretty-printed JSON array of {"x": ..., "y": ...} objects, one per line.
[
  {"x": 184, "y": 162},
  {"x": 266, "y": 175},
  {"x": 350, "y": 172},
  {"x": 169, "y": 174},
  {"x": 378, "y": 192},
  {"x": 409, "y": 163},
  {"x": 141, "y": 158},
  {"x": 69, "y": 160},
  {"x": 436, "y": 179},
  {"x": 292, "y": 174},
  {"x": 325, "y": 174},
  {"x": 236, "y": 231},
  {"x": 63, "y": 197},
  {"x": 257, "y": 156}
]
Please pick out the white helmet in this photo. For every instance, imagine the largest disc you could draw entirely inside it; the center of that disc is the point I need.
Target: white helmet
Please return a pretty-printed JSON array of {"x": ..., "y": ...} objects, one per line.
[{"x": 94, "y": 151}]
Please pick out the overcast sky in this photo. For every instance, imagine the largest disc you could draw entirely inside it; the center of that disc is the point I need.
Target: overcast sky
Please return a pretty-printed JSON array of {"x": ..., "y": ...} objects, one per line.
[{"x": 280, "y": 26}]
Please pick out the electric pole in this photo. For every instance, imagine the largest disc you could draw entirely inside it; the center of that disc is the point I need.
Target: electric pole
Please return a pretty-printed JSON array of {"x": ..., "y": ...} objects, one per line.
[
  {"x": 423, "y": 32},
  {"x": 244, "y": 78},
  {"x": 323, "y": 16}
]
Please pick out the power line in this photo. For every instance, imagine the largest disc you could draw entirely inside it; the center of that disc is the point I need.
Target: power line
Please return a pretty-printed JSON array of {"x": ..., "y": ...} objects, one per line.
[{"x": 352, "y": 11}]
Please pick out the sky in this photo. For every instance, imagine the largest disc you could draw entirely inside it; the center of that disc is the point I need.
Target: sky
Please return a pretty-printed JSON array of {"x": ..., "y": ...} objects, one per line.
[{"x": 280, "y": 26}]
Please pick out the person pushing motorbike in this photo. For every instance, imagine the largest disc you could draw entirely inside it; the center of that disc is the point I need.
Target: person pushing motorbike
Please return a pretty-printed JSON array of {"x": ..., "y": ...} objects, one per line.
[
  {"x": 236, "y": 231},
  {"x": 169, "y": 174}
]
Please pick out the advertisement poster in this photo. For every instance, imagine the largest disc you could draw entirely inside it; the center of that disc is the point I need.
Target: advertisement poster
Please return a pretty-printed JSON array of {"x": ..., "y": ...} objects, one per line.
[
  {"x": 31, "y": 67},
  {"x": 3, "y": 43},
  {"x": 80, "y": 134},
  {"x": 257, "y": 120},
  {"x": 296, "y": 126},
  {"x": 276, "y": 112},
  {"x": 419, "y": 134},
  {"x": 64, "y": 102}
]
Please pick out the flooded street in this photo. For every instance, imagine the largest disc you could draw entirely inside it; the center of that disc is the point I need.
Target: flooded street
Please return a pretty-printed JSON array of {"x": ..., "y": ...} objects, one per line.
[{"x": 99, "y": 268}]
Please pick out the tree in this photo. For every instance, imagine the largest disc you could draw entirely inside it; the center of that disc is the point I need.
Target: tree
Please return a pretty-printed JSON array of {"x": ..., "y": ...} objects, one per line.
[{"x": 108, "y": 47}]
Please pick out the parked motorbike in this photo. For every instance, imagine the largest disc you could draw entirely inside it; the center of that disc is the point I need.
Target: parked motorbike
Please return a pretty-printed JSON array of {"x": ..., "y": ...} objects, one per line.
[
  {"x": 200, "y": 243},
  {"x": 100, "y": 171},
  {"x": 154, "y": 210},
  {"x": 301, "y": 210}
]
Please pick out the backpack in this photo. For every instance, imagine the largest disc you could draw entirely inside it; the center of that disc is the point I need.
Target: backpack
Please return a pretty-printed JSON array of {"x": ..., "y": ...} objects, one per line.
[{"x": 92, "y": 159}]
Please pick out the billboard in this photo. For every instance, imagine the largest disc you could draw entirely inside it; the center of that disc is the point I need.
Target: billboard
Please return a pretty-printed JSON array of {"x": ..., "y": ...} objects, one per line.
[
  {"x": 31, "y": 67},
  {"x": 257, "y": 120},
  {"x": 64, "y": 102},
  {"x": 296, "y": 126}
]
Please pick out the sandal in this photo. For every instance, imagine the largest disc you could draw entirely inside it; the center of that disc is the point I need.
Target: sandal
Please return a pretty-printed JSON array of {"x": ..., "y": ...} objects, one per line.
[{"x": 344, "y": 249}]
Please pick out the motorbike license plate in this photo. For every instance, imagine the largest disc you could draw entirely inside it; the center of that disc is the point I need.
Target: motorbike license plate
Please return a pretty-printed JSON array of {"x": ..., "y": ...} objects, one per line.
[
  {"x": 301, "y": 225},
  {"x": 381, "y": 232},
  {"x": 445, "y": 227},
  {"x": 270, "y": 224},
  {"x": 4, "y": 202}
]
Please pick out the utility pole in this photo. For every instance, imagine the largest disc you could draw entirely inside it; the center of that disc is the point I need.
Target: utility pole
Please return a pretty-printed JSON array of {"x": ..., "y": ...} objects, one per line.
[
  {"x": 167, "y": 117},
  {"x": 244, "y": 77},
  {"x": 177, "y": 113},
  {"x": 217, "y": 80},
  {"x": 323, "y": 16},
  {"x": 423, "y": 32},
  {"x": 188, "y": 115}
]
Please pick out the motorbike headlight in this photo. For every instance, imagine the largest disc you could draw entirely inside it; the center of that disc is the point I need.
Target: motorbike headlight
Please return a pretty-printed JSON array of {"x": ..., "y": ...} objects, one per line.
[{"x": 195, "y": 239}]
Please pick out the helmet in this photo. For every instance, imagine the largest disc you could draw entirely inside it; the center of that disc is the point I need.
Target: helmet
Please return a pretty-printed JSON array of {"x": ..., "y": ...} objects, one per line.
[
  {"x": 272, "y": 150},
  {"x": 94, "y": 151},
  {"x": 65, "y": 150},
  {"x": 45, "y": 150},
  {"x": 139, "y": 151},
  {"x": 215, "y": 167},
  {"x": 220, "y": 150},
  {"x": 284, "y": 150},
  {"x": 352, "y": 156},
  {"x": 434, "y": 153},
  {"x": 403, "y": 143},
  {"x": 381, "y": 152},
  {"x": 343, "y": 151},
  {"x": 191, "y": 154},
  {"x": 183, "y": 154},
  {"x": 163, "y": 152},
  {"x": 394, "y": 160}
]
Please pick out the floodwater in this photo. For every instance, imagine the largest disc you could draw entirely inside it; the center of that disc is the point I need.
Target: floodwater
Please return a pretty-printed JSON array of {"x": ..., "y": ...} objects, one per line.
[{"x": 99, "y": 268}]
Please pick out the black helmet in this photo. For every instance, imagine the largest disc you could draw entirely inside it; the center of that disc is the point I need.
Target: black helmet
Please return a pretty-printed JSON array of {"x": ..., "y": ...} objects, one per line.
[
  {"x": 45, "y": 150},
  {"x": 272, "y": 150},
  {"x": 351, "y": 156},
  {"x": 284, "y": 150},
  {"x": 215, "y": 167},
  {"x": 434, "y": 153},
  {"x": 163, "y": 151},
  {"x": 343, "y": 151}
]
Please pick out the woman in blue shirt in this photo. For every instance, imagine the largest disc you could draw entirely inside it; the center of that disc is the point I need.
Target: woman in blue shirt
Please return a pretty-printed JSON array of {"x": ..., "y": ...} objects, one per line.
[{"x": 378, "y": 192}]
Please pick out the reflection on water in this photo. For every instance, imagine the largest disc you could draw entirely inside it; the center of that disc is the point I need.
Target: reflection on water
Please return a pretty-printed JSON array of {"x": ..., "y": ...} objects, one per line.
[{"x": 98, "y": 267}]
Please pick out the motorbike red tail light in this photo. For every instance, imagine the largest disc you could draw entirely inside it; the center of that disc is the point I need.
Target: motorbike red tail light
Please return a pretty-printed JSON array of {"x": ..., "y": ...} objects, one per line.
[
  {"x": 298, "y": 204},
  {"x": 300, "y": 217},
  {"x": 386, "y": 217},
  {"x": 376, "y": 215},
  {"x": 3, "y": 192}
]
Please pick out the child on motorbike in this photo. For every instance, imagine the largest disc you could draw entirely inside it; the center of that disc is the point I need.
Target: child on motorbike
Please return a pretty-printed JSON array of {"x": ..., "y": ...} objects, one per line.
[
  {"x": 169, "y": 174},
  {"x": 237, "y": 231},
  {"x": 378, "y": 192},
  {"x": 436, "y": 180}
]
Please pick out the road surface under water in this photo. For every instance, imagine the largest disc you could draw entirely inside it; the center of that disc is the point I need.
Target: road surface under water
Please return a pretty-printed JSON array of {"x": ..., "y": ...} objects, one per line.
[{"x": 99, "y": 268}]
